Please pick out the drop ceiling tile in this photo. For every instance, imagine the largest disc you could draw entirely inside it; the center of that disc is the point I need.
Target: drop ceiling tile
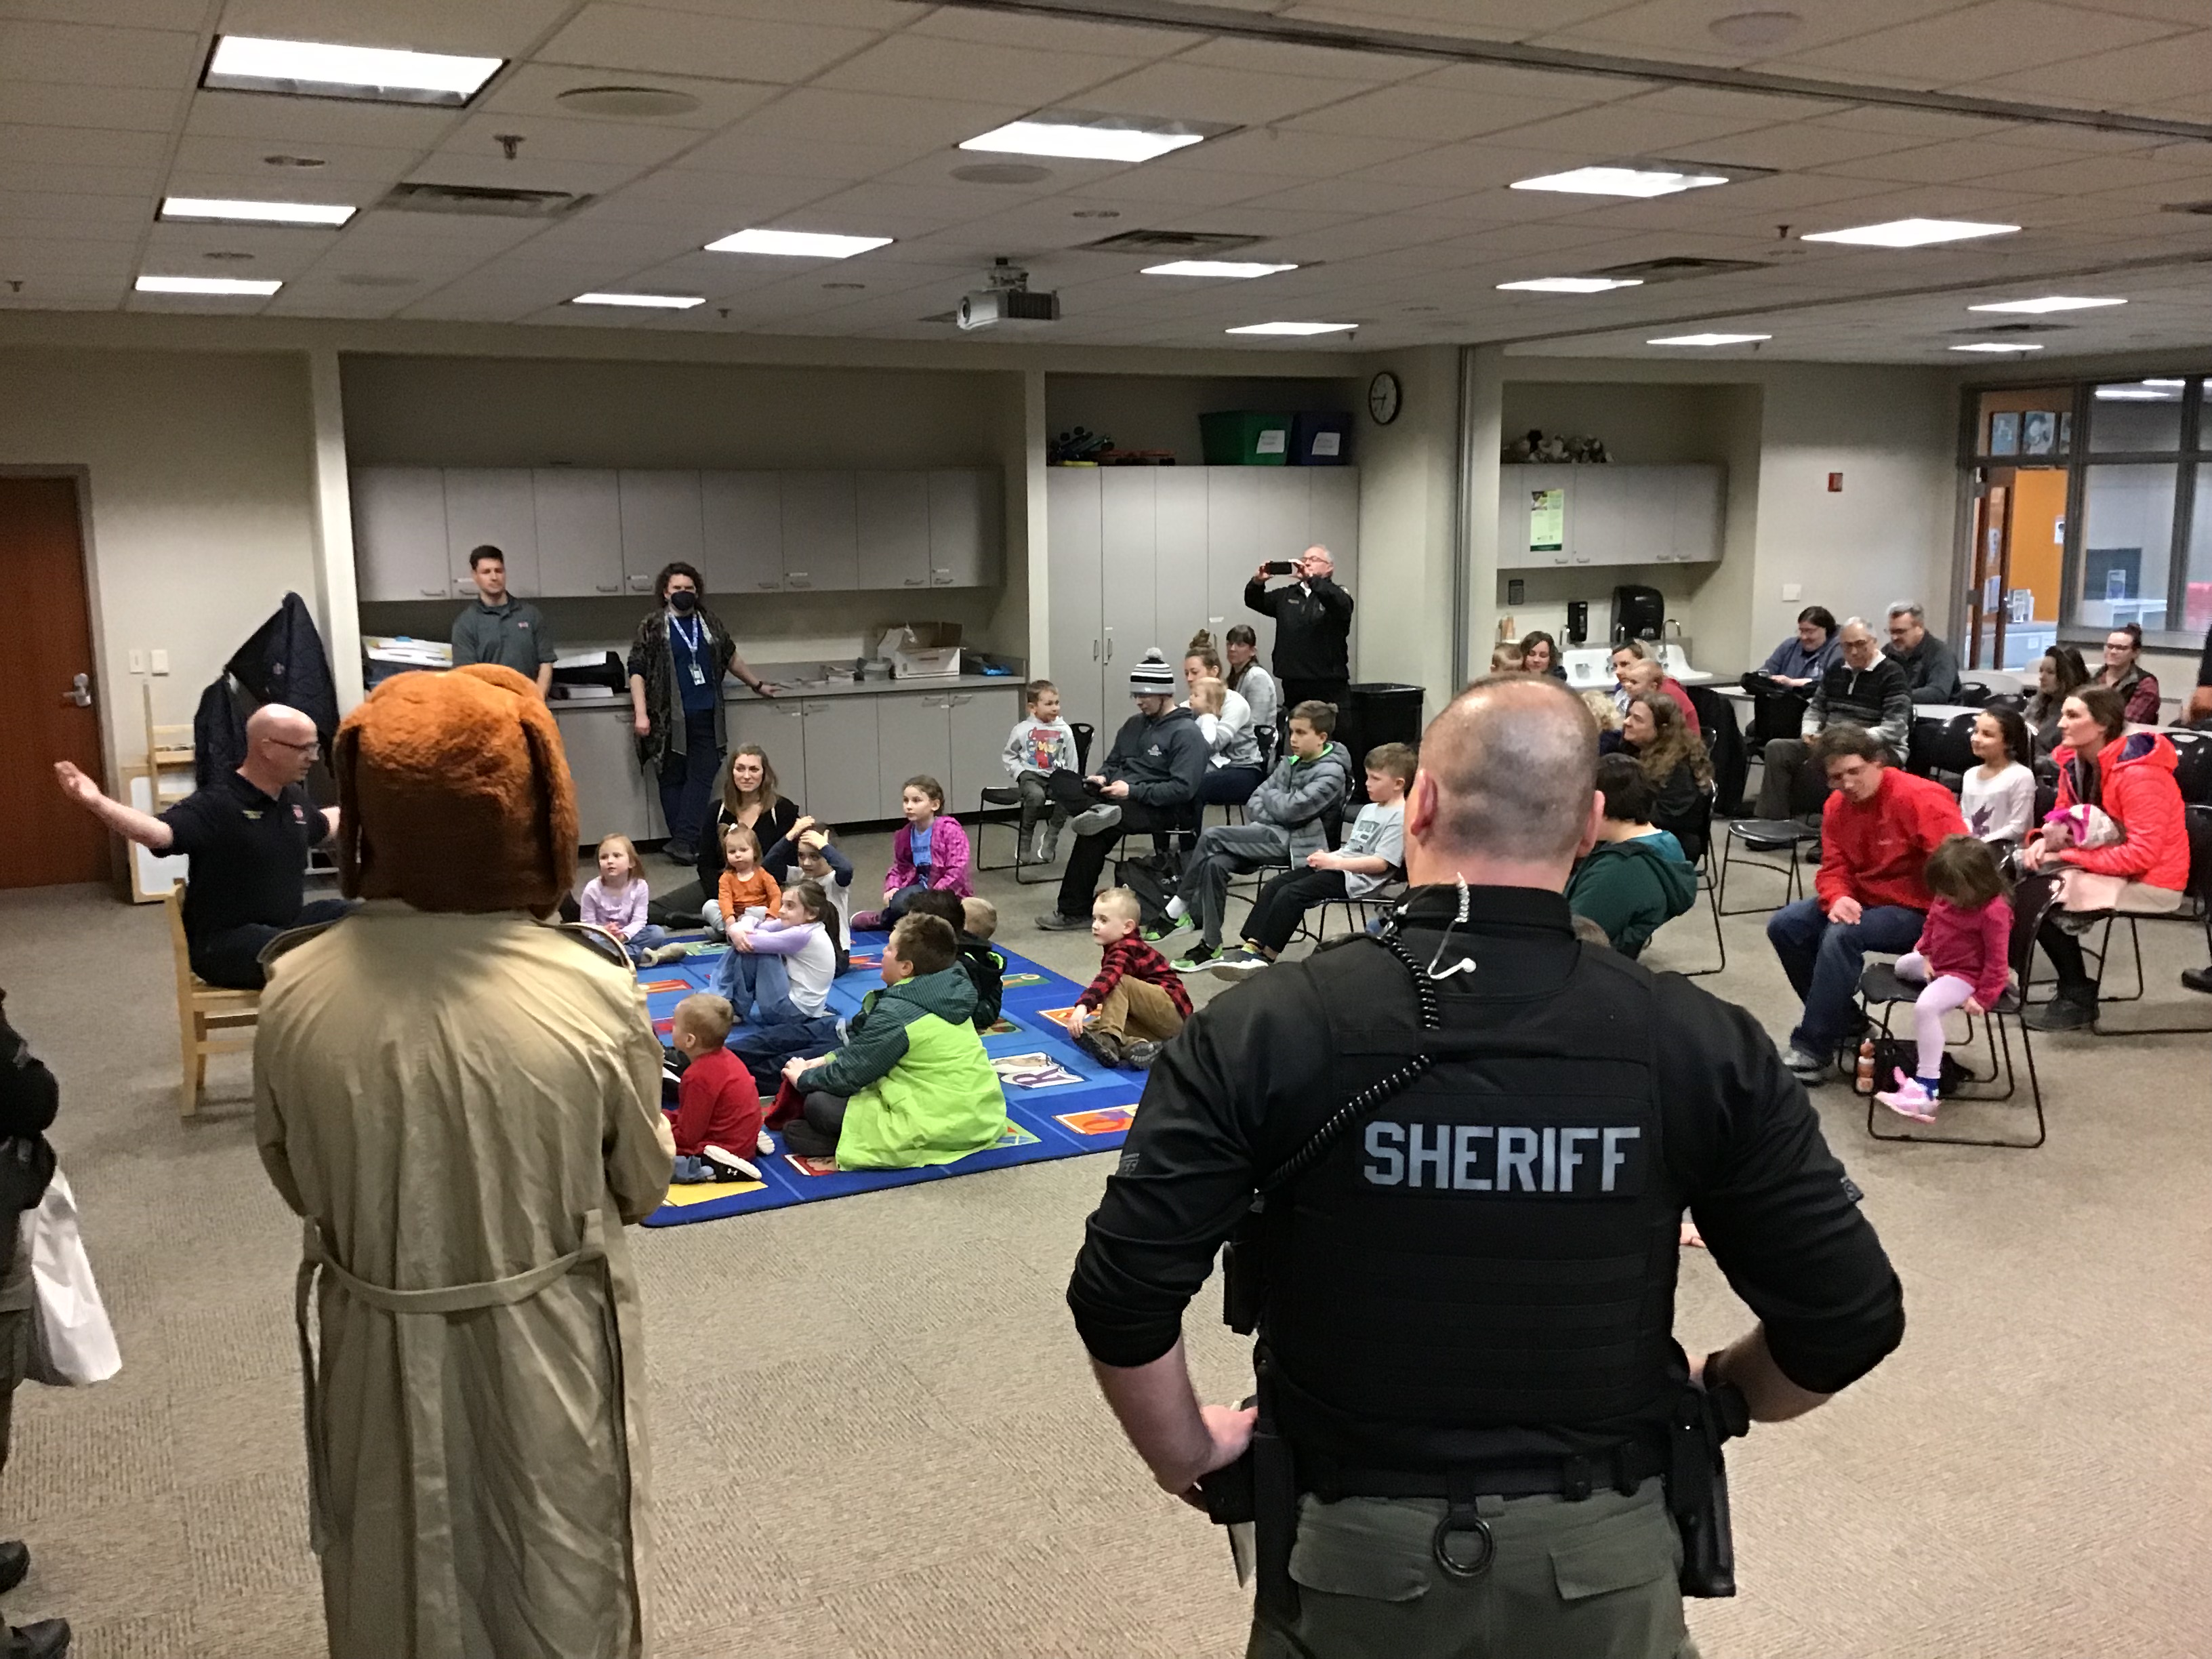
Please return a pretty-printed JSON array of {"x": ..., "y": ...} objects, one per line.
[
  {"x": 910, "y": 126},
  {"x": 486, "y": 28},
  {"x": 1799, "y": 145},
  {"x": 1034, "y": 77},
  {"x": 67, "y": 293},
  {"x": 557, "y": 138},
  {"x": 712, "y": 204},
  {"x": 1632, "y": 128},
  {"x": 1184, "y": 91},
  {"x": 83, "y": 55},
  {"x": 183, "y": 250},
  {"x": 526, "y": 172},
  {"x": 347, "y": 174},
  {"x": 1285, "y": 153},
  {"x": 1323, "y": 63},
  {"x": 140, "y": 183},
  {"x": 1478, "y": 165},
  {"x": 1354, "y": 195},
  {"x": 85, "y": 147},
  {"x": 1927, "y": 126},
  {"x": 302, "y": 126},
  {"x": 1147, "y": 194},
  {"x": 1678, "y": 29},
  {"x": 1999, "y": 37},
  {"x": 1039, "y": 33},
  {"x": 185, "y": 16},
  {"x": 1553, "y": 86},
  {"x": 2174, "y": 182},
  {"x": 2178, "y": 69},
  {"x": 1431, "y": 113},
  {"x": 655, "y": 40},
  {"x": 1934, "y": 163},
  {"x": 58, "y": 207},
  {"x": 536, "y": 88},
  {"x": 124, "y": 109},
  {"x": 741, "y": 153}
]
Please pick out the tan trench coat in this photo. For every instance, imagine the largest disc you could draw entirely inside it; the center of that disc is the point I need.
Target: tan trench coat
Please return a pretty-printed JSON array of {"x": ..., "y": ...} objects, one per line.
[{"x": 466, "y": 1109}]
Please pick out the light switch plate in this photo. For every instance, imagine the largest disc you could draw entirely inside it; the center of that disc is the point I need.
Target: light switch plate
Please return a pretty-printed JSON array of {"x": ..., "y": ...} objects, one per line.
[
  {"x": 1790, "y": 591},
  {"x": 137, "y": 662},
  {"x": 160, "y": 662}
]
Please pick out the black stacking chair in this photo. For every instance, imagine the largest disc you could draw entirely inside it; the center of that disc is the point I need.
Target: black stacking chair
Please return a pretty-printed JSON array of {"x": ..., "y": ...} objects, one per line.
[{"x": 998, "y": 799}]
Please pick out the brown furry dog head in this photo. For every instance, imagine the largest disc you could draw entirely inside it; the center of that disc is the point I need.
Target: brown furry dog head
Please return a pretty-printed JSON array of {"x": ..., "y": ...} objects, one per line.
[{"x": 455, "y": 794}]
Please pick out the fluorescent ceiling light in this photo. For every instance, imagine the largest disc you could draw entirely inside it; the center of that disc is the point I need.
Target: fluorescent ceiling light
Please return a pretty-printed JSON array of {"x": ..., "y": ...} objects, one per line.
[
  {"x": 803, "y": 244},
  {"x": 1910, "y": 232},
  {"x": 1997, "y": 345},
  {"x": 1291, "y": 328},
  {"x": 308, "y": 68},
  {"x": 226, "y": 285},
  {"x": 1570, "y": 284},
  {"x": 1085, "y": 139},
  {"x": 1622, "y": 181},
  {"x": 2134, "y": 394},
  {"x": 650, "y": 302},
  {"x": 2049, "y": 302},
  {"x": 255, "y": 213},
  {"x": 1709, "y": 339},
  {"x": 2165, "y": 383},
  {"x": 1214, "y": 268}
]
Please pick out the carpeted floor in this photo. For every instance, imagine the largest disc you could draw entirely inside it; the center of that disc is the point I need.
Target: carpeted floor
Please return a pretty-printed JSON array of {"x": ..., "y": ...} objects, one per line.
[{"x": 874, "y": 1432}]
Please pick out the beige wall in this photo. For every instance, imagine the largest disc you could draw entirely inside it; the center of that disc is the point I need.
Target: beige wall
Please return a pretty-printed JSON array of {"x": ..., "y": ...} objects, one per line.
[
  {"x": 1408, "y": 474},
  {"x": 197, "y": 468}
]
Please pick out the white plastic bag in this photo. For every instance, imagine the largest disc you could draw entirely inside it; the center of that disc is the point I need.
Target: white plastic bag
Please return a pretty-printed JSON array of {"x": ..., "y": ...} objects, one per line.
[{"x": 72, "y": 1344}]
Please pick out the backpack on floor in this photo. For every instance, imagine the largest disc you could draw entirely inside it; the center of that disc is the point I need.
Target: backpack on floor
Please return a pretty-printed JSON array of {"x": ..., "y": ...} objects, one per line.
[
  {"x": 1896, "y": 1054},
  {"x": 1152, "y": 878}
]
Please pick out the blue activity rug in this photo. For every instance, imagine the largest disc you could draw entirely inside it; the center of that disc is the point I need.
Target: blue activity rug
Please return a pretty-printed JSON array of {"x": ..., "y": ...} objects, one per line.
[{"x": 1079, "y": 1107}]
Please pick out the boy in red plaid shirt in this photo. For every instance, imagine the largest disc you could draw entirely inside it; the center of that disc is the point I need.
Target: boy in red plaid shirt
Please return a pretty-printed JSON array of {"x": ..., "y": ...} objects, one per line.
[{"x": 1137, "y": 1002}]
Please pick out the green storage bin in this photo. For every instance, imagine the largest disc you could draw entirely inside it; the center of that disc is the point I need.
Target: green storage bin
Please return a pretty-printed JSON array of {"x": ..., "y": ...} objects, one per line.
[{"x": 1245, "y": 437}]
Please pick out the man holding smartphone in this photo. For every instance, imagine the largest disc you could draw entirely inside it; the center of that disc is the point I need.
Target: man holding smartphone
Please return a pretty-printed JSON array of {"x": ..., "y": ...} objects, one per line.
[{"x": 1313, "y": 626}]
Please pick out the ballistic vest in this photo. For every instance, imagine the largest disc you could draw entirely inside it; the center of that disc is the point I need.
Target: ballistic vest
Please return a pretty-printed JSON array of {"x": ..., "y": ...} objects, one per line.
[{"x": 1483, "y": 1267}]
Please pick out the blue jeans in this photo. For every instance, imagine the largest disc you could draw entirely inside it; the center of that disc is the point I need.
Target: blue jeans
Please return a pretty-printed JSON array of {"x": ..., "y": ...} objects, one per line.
[
  {"x": 644, "y": 939},
  {"x": 1823, "y": 960},
  {"x": 688, "y": 780},
  {"x": 894, "y": 906}
]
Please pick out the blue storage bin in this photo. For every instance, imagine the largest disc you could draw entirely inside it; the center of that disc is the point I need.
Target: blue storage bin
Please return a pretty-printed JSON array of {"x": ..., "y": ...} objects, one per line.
[{"x": 1321, "y": 438}]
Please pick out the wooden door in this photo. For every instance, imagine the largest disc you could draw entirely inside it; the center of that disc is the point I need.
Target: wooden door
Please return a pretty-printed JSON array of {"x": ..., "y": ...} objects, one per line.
[{"x": 45, "y": 668}]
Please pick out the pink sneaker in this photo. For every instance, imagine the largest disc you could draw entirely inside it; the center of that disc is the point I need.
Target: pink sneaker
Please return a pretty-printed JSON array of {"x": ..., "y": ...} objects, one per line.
[{"x": 1909, "y": 1099}]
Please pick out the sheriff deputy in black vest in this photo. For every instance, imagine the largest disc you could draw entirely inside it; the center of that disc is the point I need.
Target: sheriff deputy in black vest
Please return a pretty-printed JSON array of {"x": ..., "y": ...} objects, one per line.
[{"x": 1471, "y": 1144}]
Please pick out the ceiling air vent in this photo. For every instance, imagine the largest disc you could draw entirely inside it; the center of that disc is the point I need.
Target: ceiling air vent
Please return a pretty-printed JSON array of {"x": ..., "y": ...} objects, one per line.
[
  {"x": 1675, "y": 269},
  {"x": 1170, "y": 241},
  {"x": 476, "y": 199}
]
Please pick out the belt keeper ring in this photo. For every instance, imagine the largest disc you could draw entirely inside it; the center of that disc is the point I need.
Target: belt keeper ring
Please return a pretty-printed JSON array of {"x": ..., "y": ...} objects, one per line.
[{"x": 1440, "y": 1545}]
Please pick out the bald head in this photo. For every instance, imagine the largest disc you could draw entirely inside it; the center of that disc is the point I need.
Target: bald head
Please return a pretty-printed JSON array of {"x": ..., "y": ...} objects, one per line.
[
  {"x": 1509, "y": 767},
  {"x": 281, "y": 746}
]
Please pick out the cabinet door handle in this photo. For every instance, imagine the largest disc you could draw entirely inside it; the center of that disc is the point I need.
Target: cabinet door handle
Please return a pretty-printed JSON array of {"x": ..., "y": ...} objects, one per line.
[
  {"x": 434, "y": 592},
  {"x": 606, "y": 587},
  {"x": 1094, "y": 651},
  {"x": 641, "y": 583},
  {"x": 964, "y": 697},
  {"x": 943, "y": 573},
  {"x": 916, "y": 581},
  {"x": 771, "y": 587},
  {"x": 799, "y": 578}
]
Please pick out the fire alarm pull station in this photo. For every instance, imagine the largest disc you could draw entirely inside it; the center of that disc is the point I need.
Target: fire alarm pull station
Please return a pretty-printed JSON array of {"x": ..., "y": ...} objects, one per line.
[{"x": 1835, "y": 483}]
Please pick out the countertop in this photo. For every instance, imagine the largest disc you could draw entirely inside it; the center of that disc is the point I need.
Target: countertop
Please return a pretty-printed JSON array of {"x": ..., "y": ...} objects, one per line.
[{"x": 801, "y": 679}]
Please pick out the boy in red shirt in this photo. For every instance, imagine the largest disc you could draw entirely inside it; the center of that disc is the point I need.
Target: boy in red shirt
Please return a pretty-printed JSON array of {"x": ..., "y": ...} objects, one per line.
[
  {"x": 717, "y": 1121},
  {"x": 1137, "y": 1001},
  {"x": 1876, "y": 832}
]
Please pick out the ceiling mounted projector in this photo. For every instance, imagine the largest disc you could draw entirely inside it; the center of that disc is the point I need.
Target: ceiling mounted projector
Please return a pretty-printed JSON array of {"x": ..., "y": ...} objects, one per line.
[{"x": 1007, "y": 303}]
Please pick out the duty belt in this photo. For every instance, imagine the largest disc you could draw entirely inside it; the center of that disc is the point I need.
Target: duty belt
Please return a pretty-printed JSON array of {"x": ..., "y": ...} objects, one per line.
[{"x": 1573, "y": 1476}]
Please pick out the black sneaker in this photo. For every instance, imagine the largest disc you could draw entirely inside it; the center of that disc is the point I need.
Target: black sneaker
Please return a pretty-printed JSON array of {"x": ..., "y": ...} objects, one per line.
[
  {"x": 15, "y": 1563},
  {"x": 1195, "y": 958},
  {"x": 2197, "y": 979},
  {"x": 2060, "y": 1014},
  {"x": 728, "y": 1166},
  {"x": 1140, "y": 1054},
  {"x": 1053, "y": 921},
  {"x": 1102, "y": 1046},
  {"x": 49, "y": 1638}
]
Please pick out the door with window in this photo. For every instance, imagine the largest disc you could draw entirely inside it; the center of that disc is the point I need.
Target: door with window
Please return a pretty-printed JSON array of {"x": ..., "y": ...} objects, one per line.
[
  {"x": 49, "y": 687},
  {"x": 2022, "y": 470}
]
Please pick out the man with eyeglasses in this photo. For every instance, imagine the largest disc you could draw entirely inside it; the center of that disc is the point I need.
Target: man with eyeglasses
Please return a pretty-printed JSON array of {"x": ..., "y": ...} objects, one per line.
[{"x": 248, "y": 834}]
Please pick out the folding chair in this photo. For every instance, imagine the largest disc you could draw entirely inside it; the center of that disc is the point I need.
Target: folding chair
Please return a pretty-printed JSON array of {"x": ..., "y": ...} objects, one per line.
[
  {"x": 2199, "y": 822},
  {"x": 1787, "y": 835},
  {"x": 999, "y": 796},
  {"x": 1880, "y": 988},
  {"x": 1709, "y": 886}
]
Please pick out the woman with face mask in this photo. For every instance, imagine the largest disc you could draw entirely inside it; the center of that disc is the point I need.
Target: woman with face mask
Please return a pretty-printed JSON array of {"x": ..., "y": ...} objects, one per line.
[{"x": 676, "y": 664}]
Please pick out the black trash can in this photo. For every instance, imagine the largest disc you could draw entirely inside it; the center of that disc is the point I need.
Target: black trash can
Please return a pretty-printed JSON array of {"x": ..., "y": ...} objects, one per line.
[{"x": 1376, "y": 712}]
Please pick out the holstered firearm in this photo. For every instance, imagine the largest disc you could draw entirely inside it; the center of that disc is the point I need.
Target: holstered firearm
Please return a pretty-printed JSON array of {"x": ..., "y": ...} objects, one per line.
[
  {"x": 1261, "y": 1488},
  {"x": 1697, "y": 1484}
]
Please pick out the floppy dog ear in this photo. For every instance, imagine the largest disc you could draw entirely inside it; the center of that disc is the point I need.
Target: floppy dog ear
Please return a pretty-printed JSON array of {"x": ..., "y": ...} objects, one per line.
[
  {"x": 345, "y": 757},
  {"x": 554, "y": 803}
]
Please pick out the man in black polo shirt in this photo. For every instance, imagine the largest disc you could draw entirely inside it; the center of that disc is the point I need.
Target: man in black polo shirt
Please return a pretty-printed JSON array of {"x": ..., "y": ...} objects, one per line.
[
  {"x": 1313, "y": 629},
  {"x": 247, "y": 835},
  {"x": 500, "y": 628}
]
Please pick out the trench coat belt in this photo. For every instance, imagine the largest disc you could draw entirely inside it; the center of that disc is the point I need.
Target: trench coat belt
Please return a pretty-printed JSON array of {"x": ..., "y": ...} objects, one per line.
[{"x": 434, "y": 1557}]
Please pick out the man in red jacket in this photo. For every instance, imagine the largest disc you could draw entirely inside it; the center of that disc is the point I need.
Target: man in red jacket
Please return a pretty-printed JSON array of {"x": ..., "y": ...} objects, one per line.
[{"x": 1876, "y": 832}]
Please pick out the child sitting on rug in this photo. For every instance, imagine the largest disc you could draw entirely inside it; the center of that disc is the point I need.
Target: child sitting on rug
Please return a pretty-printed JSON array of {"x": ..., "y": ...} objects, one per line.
[
  {"x": 778, "y": 976},
  {"x": 930, "y": 850},
  {"x": 616, "y": 899},
  {"x": 748, "y": 893},
  {"x": 717, "y": 1121},
  {"x": 809, "y": 850},
  {"x": 911, "y": 1086},
  {"x": 986, "y": 968},
  {"x": 1136, "y": 990}
]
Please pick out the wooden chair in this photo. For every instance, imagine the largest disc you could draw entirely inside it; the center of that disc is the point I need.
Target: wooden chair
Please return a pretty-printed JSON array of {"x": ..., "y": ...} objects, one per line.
[{"x": 208, "y": 1018}]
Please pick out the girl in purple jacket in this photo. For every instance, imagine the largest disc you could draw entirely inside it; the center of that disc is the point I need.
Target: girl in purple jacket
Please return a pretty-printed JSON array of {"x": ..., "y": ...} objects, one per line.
[{"x": 931, "y": 850}]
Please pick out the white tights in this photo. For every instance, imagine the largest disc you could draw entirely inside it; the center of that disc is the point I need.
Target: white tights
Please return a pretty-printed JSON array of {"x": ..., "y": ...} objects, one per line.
[{"x": 1943, "y": 994}]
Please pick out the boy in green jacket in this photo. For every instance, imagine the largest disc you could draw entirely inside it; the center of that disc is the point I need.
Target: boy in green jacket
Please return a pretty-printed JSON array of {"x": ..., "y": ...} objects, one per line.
[
  {"x": 911, "y": 1086},
  {"x": 1635, "y": 880}
]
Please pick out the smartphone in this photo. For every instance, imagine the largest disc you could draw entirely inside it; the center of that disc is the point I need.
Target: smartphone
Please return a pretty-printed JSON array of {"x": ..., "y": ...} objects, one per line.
[{"x": 1279, "y": 567}]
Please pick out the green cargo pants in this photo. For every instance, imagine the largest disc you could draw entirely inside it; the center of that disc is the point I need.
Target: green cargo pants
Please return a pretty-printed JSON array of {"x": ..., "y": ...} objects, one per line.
[{"x": 1589, "y": 1580}]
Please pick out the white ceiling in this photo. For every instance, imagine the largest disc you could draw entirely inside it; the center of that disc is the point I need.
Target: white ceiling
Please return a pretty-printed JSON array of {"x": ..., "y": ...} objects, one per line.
[{"x": 1384, "y": 174}]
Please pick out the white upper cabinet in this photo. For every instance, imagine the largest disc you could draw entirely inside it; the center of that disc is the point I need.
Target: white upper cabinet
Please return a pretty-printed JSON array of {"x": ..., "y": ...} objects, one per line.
[
  {"x": 741, "y": 516},
  {"x": 891, "y": 519},
  {"x": 660, "y": 524},
  {"x": 579, "y": 539},
  {"x": 399, "y": 533},
  {"x": 572, "y": 533},
  {"x": 1611, "y": 516},
  {"x": 964, "y": 510},
  {"x": 821, "y": 532},
  {"x": 1699, "y": 515}
]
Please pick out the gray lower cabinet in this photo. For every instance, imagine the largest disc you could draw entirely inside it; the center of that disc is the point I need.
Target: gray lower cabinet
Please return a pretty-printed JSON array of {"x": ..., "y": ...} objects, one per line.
[
  {"x": 980, "y": 721},
  {"x": 914, "y": 737},
  {"x": 843, "y": 783},
  {"x": 614, "y": 794}
]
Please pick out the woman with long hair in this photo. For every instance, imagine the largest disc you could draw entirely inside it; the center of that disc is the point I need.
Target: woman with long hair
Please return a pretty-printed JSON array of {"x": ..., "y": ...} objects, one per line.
[
  {"x": 750, "y": 800},
  {"x": 1539, "y": 654},
  {"x": 1673, "y": 762},
  {"x": 1251, "y": 682},
  {"x": 2058, "y": 676},
  {"x": 676, "y": 664}
]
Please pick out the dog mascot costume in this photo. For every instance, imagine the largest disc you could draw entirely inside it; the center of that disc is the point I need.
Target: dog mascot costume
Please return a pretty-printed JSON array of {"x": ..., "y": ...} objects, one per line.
[{"x": 463, "y": 1104}]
